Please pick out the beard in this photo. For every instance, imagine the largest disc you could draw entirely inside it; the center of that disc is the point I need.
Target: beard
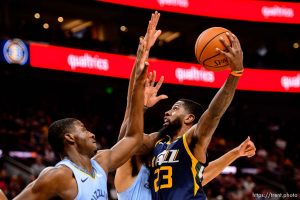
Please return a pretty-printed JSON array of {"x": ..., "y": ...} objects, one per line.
[{"x": 171, "y": 129}]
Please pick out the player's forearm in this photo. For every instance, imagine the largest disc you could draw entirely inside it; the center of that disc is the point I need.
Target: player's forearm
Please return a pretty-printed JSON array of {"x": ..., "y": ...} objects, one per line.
[
  {"x": 124, "y": 125},
  {"x": 223, "y": 98},
  {"x": 131, "y": 80},
  {"x": 215, "y": 167},
  {"x": 135, "y": 125},
  {"x": 136, "y": 64},
  {"x": 129, "y": 93},
  {"x": 123, "y": 129}
]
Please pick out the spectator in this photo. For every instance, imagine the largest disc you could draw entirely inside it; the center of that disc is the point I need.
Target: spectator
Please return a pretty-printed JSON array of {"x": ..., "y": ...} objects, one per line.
[{"x": 38, "y": 166}]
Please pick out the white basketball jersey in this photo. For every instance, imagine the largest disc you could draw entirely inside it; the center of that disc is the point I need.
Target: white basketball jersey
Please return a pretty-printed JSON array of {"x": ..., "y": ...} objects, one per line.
[{"x": 91, "y": 187}]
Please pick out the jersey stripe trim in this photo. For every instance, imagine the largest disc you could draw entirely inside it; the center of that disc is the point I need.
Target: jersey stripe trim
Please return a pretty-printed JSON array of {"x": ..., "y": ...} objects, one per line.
[{"x": 194, "y": 164}]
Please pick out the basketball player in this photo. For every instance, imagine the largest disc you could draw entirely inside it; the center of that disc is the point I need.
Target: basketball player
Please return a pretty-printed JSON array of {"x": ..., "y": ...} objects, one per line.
[
  {"x": 179, "y": 158},
  {"x": 131, "y": 179},
  {"x": 180, "y": 155},
  {"x": 133, "y": 175},
  {"x": 82, "y": 174}
]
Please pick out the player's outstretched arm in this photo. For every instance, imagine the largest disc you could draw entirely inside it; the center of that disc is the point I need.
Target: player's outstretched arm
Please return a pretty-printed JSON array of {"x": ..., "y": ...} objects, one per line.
[
  {"x": 214, "y": 168},
  {"x": 151, "y": 89},
  {"x": 151, "y": 35},
  {"x": 52, "y": 182},
  {"x": 209, "y": 121},
  {"x": 150, "y": 99},
  {"x": 123, "y": 176},
  {"x": 132, "y": 141}
]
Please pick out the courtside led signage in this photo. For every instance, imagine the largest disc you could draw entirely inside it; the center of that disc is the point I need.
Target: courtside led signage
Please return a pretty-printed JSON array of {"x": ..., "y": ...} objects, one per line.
[
  {"x": 119, "y": 66},
  {"x": 248, "y": 10}
]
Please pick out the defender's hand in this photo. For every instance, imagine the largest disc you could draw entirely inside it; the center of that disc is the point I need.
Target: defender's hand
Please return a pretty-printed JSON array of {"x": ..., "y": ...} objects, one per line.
[
  {"x": 247, "y": 148},
  {"x": 151, "y": 90},
  {"x": 152, "y": 34}
]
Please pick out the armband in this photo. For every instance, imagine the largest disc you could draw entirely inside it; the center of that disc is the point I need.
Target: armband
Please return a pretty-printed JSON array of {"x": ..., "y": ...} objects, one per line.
[{"x": 237, "y": 72}]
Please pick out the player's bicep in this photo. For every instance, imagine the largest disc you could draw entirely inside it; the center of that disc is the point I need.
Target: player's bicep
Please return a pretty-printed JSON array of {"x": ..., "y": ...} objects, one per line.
[
  {"x": 122, "y": 151},
  {"x": 44, "y": 187},
  {"x": 149, "y": 141},
  {"x": 113, "y": 158},
  {"x": 200, "y": 134},
  {"x": 205, "y": 127},
  {"x": 28, "y": 193}
]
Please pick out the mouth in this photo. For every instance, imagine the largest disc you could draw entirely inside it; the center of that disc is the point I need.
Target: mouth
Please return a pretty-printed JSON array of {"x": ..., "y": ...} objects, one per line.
[
  {"x": 94, "y": 144},
  {"x": 166, "y": 121}
]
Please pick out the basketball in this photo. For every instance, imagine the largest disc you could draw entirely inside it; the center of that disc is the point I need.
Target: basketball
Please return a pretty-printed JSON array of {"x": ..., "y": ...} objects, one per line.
[{"x": 205, "y": 49}]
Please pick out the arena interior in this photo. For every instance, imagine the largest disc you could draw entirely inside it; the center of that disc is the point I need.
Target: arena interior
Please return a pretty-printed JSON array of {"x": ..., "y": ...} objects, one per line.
[{"x": 32, "y": 97}]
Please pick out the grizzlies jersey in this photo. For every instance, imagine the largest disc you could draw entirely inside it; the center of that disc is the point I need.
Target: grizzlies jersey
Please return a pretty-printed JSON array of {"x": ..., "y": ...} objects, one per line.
[
  {"x": 139, "y": 190},
  {"x": 175, "y": 172},
  {"x": 90, "y": 187}
]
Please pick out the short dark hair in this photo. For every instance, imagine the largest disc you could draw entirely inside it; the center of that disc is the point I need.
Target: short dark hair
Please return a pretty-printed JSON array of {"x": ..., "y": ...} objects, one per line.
[
  {"x": 193, "y": 108},
  {"x": 56, "y": 133}
]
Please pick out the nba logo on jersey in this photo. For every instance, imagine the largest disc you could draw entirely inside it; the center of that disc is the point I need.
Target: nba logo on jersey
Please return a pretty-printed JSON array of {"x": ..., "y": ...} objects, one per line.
[{"x": 167, "y": 156}]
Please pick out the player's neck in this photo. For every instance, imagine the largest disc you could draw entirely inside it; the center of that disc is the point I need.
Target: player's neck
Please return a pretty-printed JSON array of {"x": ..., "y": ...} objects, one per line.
[
  {"x": 80, "y": 160},
  {"x": 179, "y": 133}
]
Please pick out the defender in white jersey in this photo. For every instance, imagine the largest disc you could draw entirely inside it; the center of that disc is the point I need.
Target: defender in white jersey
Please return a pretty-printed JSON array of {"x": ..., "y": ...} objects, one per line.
[
  {"x": 90, "y": 185},
  {"x": 83, "y": 173},
  {"x": 139, "y": 189},
  {"x": 131, "y": 179}
]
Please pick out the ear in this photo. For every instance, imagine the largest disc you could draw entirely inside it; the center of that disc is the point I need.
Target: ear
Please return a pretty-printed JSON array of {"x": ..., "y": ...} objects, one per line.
[
  {"x": 188, "y": 119},
  {"x": 69, "y": 137}
]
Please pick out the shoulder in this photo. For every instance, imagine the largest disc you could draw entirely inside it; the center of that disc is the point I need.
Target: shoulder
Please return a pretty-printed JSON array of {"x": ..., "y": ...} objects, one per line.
[
  {"x": 154, "y": 134},
  {"x": 57, "y": 181},
  {"x": 52, "y": 182},
  {"x": 54, "y": 177},
  {"x": 151, "y": 138},
  {"x": 190, "y": 135},
  {"x": 102, "y": 158},
  {"x": 57, "y": 172}
]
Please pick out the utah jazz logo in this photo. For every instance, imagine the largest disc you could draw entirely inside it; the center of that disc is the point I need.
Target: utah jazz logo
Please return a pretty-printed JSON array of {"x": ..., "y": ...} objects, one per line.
[{"x": 167, "y": 156}]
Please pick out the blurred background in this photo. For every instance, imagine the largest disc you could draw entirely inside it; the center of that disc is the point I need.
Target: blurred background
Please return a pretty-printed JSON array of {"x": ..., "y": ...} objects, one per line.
[{"x": 32, "y": 98}]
